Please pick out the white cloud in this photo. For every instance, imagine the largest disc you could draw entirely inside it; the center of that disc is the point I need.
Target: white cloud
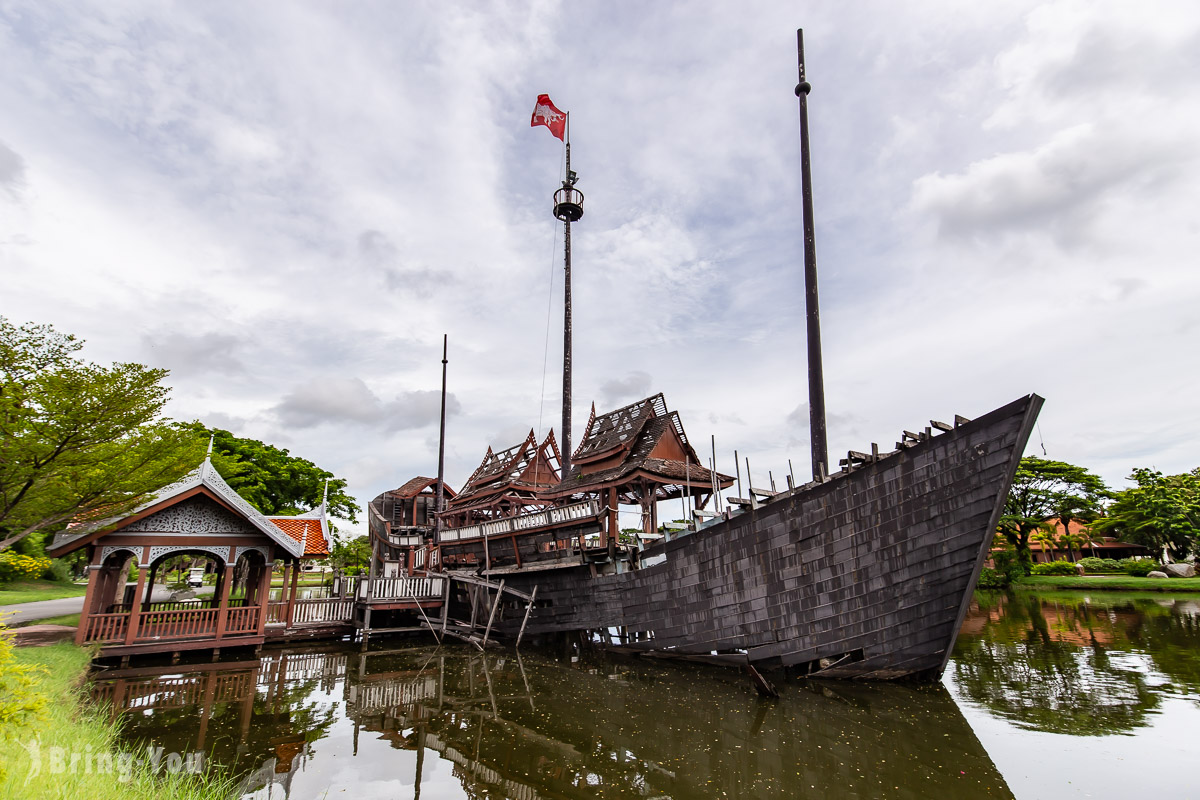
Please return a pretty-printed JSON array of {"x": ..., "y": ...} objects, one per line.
[{"x": 288, "y": 206}]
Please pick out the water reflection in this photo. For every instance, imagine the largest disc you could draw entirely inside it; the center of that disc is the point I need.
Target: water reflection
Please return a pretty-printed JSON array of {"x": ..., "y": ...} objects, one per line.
[
  {"x": 1077, "y": 664},
  {"x": 451, "y": 723}
]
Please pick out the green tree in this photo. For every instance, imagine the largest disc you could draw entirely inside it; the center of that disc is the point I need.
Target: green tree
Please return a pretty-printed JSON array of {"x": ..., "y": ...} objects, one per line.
[
  {"x": 272, "y": 480},
  {"x": 1161, "y": 512},
  {"x": 76, "y": 437},
  {"x": 351, "y": 557},
  {"x": 1042, "y": 490}
]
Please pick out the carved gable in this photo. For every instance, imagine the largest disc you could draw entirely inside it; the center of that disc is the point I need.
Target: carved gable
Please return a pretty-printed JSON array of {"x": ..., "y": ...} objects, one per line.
[{"x": 194, "y": 515}]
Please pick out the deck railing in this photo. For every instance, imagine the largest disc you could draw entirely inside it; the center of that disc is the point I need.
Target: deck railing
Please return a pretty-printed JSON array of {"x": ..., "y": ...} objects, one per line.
[
  {"x": 537, "y": 519},
  {"x": 176, "y": 605},
  {"x": 106, "y": 627},
  {"x": 178, "y": 624},
  {"x": 308, "y": 612},
  {"x": 242, "y": 620},
  {"x": 168, "y": 624},
  {"x": 425, "y": 588},
  {"x": 277, "y": 611}
]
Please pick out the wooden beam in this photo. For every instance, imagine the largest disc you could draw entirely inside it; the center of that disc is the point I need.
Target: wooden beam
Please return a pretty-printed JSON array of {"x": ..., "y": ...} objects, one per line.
[
  {"x": 135, "y": 614},
  {"x": 492, "y": 616},
  {"x": 94, "y": 570},
  {"x": 528, "y": 608}
]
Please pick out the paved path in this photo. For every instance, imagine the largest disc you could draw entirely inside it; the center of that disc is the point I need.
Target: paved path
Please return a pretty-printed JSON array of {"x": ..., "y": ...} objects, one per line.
[{"x": 44, "y": 609}]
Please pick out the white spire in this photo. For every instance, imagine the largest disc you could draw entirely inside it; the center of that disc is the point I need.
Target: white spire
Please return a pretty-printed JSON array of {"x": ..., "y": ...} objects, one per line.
[
  {"x": 325, "y": 494},
  {"x": 207, "y": 463}
]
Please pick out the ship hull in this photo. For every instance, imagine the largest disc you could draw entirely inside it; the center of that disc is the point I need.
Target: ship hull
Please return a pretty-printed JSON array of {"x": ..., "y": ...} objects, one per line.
[{"x": 867, "y": 575}]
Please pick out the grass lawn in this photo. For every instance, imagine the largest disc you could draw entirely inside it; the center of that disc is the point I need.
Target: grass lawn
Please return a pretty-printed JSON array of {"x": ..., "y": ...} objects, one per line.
[
  {"x": 66, "y": 619},
  {"x": 70, "y": 725},
  {"x": 29, "y": 591},
  {"x": 1119, "y": 583},
  {"x": 304, "y": 581}
]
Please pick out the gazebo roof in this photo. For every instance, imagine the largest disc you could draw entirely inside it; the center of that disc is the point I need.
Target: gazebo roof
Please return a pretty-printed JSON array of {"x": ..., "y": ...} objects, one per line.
[{"x": 204, "y": 478}]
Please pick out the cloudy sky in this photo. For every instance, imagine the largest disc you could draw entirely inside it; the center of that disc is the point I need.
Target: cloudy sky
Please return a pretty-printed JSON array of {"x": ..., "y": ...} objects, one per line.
[{"x": 288, "y": 204}]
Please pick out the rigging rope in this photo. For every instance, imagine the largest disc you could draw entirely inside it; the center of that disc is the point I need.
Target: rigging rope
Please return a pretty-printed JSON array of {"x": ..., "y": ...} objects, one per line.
[{"x": 549, "y": 311}]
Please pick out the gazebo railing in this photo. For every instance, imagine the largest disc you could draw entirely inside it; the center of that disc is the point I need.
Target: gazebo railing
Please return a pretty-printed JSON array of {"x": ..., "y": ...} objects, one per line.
[
  {"x": 106, "y": 627},
  {"x": 187, "y": 623}
]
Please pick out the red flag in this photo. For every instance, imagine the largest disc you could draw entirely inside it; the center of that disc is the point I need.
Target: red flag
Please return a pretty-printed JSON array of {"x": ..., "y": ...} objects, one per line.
[{"x": 544, "y": 113}]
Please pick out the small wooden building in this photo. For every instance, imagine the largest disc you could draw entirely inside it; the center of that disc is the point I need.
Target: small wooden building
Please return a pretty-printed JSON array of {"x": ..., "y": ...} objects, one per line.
[
  {"x": 198, "y": 515},
  {"x": 399, "y": 522}
]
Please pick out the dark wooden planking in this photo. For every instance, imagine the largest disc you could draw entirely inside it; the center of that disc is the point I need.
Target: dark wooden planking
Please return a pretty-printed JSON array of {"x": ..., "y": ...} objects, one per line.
[{"x": 878, "y": 560}]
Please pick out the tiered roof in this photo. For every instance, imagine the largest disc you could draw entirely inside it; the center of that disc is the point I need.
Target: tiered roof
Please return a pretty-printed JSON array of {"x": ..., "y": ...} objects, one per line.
[
  {"x": 643, "y": 440},
  {"x": 521, "y": 472}
]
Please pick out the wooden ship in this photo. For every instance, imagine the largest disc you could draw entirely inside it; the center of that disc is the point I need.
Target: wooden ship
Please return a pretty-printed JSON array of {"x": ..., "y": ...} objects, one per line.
[{"x": 866, "y": 572}]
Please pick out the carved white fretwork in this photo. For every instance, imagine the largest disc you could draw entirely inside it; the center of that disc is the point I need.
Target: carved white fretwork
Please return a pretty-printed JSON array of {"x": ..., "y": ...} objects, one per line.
[
  {"x": 108, "y": 550},
  {"x": 160, "y": 550},
  {"x": 194, "y": 515},
  {"x": 263, "y": 549}
]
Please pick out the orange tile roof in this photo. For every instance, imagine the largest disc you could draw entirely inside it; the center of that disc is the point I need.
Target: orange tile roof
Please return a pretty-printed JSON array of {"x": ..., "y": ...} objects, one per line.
[{"x": 307, "y": 531}]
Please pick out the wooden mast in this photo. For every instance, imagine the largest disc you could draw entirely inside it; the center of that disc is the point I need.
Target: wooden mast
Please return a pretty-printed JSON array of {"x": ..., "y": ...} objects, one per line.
[
  {"x": 441, "y": 500},
  {"x": 568, "y": 207},
  {"x": 816, "y": 376}
]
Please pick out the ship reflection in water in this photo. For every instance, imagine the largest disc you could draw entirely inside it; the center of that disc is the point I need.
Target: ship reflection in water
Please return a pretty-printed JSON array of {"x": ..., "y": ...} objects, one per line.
[{"x": 452, "y": 723}]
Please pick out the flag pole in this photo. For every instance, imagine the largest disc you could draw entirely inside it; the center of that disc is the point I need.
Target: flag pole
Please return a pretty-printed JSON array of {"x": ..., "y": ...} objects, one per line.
[
  {"x": 566, "y": 391},
  {"x": 816, "y": 375}
]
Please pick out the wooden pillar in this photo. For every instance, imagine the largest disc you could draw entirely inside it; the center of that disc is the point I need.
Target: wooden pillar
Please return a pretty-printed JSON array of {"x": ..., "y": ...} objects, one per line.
[
  {"x": 223, "y": 602},
  {"x": 283, "y": 584},
  {"x": 613, "y": 532},
  {"x": 263, "y": 596},
  {"x": 94, "y": 577},
  {"x": 291, "y": 592},
  {"x": 135, "y": 612},
  {"x": 150, "y": 589}
]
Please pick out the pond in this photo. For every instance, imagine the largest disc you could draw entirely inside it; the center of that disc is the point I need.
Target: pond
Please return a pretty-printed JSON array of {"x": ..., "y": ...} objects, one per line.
[{"x": 1061, "y": 695}]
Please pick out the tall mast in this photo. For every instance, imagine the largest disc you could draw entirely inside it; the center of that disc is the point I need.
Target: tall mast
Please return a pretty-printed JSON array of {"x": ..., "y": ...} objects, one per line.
[
  {"x": 568, "y": 207},
  {"x": 441, "y": 498},
  {"x": 816, "y": 375}
]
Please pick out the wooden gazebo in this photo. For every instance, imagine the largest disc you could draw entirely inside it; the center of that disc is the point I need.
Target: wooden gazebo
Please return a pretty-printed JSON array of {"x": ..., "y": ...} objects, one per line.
[{"x": 200, "y": 515}]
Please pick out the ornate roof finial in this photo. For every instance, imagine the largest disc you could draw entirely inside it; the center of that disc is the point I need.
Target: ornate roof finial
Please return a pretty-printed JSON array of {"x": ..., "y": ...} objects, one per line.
[
  {"x": 325, "y": 493},
  {"x": 208, "y": 455}
]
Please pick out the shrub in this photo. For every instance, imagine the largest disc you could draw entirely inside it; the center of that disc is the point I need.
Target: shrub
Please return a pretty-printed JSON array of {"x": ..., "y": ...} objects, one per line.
[
  {"x": 19, "y": 702},
  {"x": 1008, "y": 565},
  {"x": 1092, "y": 564},
  {"x": 1138, "y": 567},
  {"x": 1055, "y": 568},
  {"x": 14, "y": 566},
  {"x": 58, "y": 570},
  {"x": 992, "y": 579}
]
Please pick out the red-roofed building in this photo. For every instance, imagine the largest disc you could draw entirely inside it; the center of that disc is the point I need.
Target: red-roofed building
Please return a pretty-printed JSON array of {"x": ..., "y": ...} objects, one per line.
[{"x": 1092, "y": 545}]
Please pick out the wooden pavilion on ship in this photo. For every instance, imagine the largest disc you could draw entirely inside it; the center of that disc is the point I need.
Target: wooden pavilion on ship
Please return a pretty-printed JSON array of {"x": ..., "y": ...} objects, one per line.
[{"x": 638, "y": 455}]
